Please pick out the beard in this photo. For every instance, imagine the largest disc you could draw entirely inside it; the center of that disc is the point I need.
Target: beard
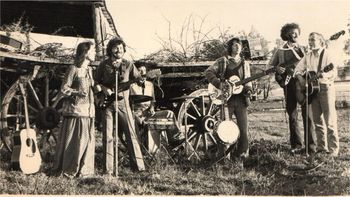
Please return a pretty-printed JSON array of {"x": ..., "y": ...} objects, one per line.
[
  {"x": 117, "y": 55},
  {"x": 293, "y": 39}
]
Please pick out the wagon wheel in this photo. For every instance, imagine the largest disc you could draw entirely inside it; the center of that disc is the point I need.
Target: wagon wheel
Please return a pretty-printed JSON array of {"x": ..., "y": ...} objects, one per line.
[
  {"x": 44, "y": 116},
  {"x": 197, "y": 117}
]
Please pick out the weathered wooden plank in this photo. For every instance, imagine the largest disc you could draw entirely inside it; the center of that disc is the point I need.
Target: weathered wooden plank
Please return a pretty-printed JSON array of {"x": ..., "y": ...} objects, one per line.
[
  {"x": 96, "y": 17},
  {"x": 43, "y": 60},
  {"x": 182, "y": 75}
]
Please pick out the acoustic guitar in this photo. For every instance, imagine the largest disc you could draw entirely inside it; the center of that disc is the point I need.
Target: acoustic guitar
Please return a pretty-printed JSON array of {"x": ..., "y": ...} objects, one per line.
[
  {"x": 309, "y": 80},
  {"x": 233, "y": 86},
  {"x": 25, "y": 155}
]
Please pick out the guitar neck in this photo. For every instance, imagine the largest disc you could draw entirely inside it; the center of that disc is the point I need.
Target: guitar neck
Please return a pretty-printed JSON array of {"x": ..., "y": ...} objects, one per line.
[
  {"x": 249, "y": 79},
  {"x": 26, "y": 114}
]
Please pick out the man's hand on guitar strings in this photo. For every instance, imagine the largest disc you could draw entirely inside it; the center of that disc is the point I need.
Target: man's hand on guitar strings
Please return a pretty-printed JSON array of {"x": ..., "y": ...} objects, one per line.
[
  {"x": 247, "y": 91},
  {"x": 280, "y": 69}
]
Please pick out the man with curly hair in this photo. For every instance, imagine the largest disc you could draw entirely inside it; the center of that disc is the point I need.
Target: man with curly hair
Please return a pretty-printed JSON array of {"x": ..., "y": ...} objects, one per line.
[
  {"x": 105, "y": 77},
  {"x": 285, "y": 59}
]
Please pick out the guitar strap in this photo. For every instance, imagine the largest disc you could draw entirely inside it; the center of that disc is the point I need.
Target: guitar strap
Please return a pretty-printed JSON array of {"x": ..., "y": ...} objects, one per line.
[
  {"x": 320, "y": 61},
  {"x": 223, "y": 69},
  {"x": 282, "y": 58}
]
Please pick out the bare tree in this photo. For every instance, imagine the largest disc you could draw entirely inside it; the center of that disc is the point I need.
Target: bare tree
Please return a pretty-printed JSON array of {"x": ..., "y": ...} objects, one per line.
[{"x": 186, "y": 45}]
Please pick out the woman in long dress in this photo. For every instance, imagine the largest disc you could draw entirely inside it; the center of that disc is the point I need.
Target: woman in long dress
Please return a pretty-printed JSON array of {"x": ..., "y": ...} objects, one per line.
[{"x": 75, "y": 150}]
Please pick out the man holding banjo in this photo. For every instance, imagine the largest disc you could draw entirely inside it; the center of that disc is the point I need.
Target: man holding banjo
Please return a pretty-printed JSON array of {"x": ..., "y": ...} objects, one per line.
[{"x": 219, "y": 75}]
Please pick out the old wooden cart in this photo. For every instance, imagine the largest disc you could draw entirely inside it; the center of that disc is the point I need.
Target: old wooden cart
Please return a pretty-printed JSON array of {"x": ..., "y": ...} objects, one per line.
[{"x": 42, "y": 70}]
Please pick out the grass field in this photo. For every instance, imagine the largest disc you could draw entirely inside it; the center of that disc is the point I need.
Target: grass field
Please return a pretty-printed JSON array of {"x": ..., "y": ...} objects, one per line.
[{"x": 268, "y": 171}]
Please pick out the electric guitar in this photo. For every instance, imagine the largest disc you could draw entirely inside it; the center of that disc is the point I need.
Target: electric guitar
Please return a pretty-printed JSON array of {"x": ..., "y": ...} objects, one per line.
[
  {"x": 293, "y": 58},
  {"x": 105, "y": 100},
  {"x": 288, "y": 59},
  {"x": 25, "y": 155},
  {"x": 233, "y": 86},
  {"x": 309, "y": 79}
]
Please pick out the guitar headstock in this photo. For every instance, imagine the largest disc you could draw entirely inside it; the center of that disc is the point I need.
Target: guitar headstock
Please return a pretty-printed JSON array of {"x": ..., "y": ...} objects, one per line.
[
  {"x": 337, "y": 35},
  {"x": 328, "y": 68}
]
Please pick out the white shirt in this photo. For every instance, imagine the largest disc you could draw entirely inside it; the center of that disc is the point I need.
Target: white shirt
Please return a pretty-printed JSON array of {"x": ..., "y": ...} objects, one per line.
[
  {"x": 135, "y": 89},
  {"x": 311, "y": 61}
]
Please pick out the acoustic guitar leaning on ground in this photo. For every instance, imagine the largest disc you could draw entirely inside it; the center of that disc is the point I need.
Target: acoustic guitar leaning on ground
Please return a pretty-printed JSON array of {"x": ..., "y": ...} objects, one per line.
[{"x": 26, "y": 155}]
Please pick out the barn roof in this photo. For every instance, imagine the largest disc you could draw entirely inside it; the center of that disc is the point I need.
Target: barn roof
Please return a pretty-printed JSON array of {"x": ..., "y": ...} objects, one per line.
[{"x": 74, "y": 18}]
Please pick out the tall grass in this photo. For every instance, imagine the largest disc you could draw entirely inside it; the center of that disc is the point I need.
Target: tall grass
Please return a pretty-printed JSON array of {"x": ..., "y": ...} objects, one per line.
[{"x": 266, "y": 172}]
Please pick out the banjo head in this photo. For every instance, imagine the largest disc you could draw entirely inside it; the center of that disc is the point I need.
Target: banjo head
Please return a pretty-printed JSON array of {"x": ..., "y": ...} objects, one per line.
[{"x": 227, "y": 132}]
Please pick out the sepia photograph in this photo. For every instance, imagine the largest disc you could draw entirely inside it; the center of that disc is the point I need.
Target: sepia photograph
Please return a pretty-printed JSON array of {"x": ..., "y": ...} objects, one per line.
[{"x": 175, "y": 97}]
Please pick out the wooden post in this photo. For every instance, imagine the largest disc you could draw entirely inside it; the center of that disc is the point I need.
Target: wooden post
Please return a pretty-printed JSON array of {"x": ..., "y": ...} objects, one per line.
[{"x": 97, "y": 31}]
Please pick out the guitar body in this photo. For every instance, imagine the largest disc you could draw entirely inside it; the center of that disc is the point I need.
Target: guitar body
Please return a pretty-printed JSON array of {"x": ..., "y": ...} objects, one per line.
[
  {"x": 236, "y": 89},
  {"x": 313, "y": 85},
  {"x": 103, "y": 101},
  {"x": 26, "y": 155},
  {"x": 216, "y": 95},
  {"x": 281, "y": 79}
]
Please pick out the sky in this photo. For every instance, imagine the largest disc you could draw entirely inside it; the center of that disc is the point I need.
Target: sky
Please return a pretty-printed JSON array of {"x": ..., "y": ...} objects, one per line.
[{"x": 143, "y": 23}]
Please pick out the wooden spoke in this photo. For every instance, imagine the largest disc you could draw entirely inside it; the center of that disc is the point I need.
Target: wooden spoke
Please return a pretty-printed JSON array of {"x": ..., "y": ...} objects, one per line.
[
  {"x": 195, "y": 108},
  {"x": 211, "y": 105},
  {"x": 205, "y": 142},
  {"x": 202, "y": 105},
  {"x": 190, "y": 116},
  {"x": 47, "y": 90},
  {"x": 29, "y": 106},
  {"x": 212, "y": 138},
  {"x": 215, "y": 111},
  {"x": 196, "y": 145},
  {"x": 192, "y": 136},
  {"x": 36, "y": 98}
]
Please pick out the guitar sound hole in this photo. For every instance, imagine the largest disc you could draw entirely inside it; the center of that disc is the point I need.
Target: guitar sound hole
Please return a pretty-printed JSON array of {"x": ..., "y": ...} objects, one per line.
[{"x": 30, "y": 143}]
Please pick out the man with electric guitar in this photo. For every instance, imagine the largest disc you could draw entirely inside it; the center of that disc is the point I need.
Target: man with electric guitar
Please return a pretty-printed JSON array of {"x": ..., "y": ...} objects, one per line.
[
  {"x": 219, "y": 74},
  {"x": 284, "y": 60},
  {"x": 116, "y": 68},
  {"x": 320, "y": 62}
]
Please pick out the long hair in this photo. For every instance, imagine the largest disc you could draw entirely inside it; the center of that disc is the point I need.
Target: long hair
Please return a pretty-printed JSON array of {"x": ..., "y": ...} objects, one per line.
[
  {"x": 114, "y": 42},
  {"x": 81, "y": 52},
  {"x": 286, "y": 28}
]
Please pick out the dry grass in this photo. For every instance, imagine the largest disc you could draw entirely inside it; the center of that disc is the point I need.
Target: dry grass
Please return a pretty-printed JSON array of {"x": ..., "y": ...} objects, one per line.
[{"x": 266, "y": 172}]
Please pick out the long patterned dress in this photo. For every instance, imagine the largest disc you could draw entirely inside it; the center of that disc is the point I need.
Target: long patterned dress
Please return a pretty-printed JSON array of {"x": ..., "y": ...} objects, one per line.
[{"x": 76, "y": 142}]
